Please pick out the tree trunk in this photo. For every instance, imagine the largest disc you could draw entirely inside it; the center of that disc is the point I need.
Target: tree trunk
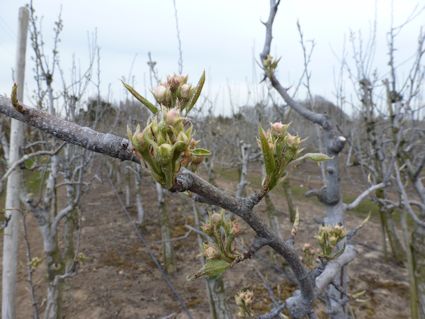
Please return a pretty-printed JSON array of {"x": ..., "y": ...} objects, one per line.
[
  {"x": 54, "y": 291},
  {"x": 14, "y": 183}
]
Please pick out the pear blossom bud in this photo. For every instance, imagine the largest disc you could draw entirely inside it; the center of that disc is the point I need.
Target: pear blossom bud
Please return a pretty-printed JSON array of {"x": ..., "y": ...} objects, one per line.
[
  {"x": 211, "y": 252},
  {"x": 185, "y": 91},
  {"x": 174, "y": 81},
  {"x": 278, "y": 128},
  {"x": 306, "y": 246},
  {"x": 207, "y": 228},
  {"x": 172, "y": 117},
  {"x": 293, "y": 140},
  {"x": 159, "y": 93},
  {"x": 216, "y": 218}
]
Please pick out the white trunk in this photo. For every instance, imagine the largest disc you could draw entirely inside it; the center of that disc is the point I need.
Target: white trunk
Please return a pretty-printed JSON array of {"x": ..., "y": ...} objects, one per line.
[{"x": 14, "y": 183}]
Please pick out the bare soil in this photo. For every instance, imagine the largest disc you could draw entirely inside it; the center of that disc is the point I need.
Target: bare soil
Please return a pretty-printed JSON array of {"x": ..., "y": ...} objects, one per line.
[{"x": 120, "y": 280}]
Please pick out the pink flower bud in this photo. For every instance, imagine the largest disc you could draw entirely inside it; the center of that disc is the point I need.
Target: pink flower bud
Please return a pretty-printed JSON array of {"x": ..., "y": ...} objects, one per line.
[
  {"x": 216, "y": 218},
  {"x": 211, "y": 252},
  {"x": 175, "y": 81},
  {"x": 172, "y": 116},
  {"x": 159, "y": 93},
  {"x": 306, "y": 246},
  {"x": 185, "y": 91},
  {"x": 293, "y": 140},
  {"x": 278, "y": 128}
]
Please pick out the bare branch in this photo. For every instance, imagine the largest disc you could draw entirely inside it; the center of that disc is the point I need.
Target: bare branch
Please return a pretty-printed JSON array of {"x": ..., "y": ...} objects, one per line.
[
  {"x": 27, "y": 157},
  {"x": 363, "y": 196},
  {"x": 334, "y": 267},
  {"x": 92, "y": 140},
  {"x": 405, "y": 198}
]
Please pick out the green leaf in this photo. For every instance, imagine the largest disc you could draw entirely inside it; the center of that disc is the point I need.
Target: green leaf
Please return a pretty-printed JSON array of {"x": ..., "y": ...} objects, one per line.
[
  {"x": 197, "y": 93},
  {"x": 141, "y": 99},
  {"x": 269, "y": 163},
  {"x": 201, "y": 152},
  {"x": 317, "y": 157},
  {"x": 213, "y": 268}
]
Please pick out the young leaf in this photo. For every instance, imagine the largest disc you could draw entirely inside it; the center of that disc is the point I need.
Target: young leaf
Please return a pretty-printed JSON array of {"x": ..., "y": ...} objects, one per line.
[
  {"x": 317, "y": 157},
  {"x": 197, "y": 93},
  {"x": 267, "y": 154},
  {"x": 141, "y": 99},
  {"x": 201, "y": 152}
]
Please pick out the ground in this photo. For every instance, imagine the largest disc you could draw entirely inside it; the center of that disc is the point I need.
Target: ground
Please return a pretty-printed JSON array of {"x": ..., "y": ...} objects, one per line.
[{"x": 120, "y": 280}]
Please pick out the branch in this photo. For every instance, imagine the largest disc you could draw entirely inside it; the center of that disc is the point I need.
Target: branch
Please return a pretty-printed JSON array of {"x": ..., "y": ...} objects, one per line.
[
  {"x": 72, "y": 133},
  {"x": 242, "y": 207},
  {"x": 333, "y": 268},
  {"x": 363, "y": 195},
  {"x": 28, "y": 156},
  {"x": 405, "y": 198}
]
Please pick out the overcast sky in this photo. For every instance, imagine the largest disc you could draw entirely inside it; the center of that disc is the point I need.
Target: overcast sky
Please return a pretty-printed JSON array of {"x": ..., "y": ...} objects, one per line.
[{"x": 220, "y": 36}]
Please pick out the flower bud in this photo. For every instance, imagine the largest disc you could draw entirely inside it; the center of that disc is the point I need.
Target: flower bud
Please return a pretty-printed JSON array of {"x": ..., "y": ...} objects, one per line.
[
  {"x": 207, "y": 228},
  {"x": 175, "y": 81},
  {"x": 293, "y": 140},
  {"x": 159, "y": 93},
  {"x": 306, "y": 246},
  {"x": 185, "y": 91},
  {"x": 278, "y": 129},
  {"x": 211, "y": 252},
  {"x": 216, "y": 218},
  {"x": 172, "y": 117}
]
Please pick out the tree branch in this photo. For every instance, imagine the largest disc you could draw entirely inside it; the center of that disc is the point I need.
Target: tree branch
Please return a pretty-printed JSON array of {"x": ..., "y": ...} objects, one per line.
[
  {"x": 28, "y": 156},
  {"x": 363, "y": 195},
  {"x": 92, "y": 140}
]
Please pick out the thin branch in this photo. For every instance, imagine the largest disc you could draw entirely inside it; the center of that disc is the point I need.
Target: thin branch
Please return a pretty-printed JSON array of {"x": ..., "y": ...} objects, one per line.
[
  {"x": 363, "y": 196},
  {"x": 334, "y": 267},
  {"x": 405, "y": 198},
  {"x": 27, "y": 157},
  {"x": 73, "y": 133}
]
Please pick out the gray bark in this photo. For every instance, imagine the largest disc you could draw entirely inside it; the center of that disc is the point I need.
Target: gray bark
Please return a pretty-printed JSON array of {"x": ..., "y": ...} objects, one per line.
[{"x": 14, "y": 183}]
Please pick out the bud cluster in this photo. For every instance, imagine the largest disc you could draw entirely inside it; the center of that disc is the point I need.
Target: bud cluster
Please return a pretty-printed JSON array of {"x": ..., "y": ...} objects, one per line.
[
  {"x": 270, "y": 64},
  {"x": 166, "y": 143},
  {"x": 279, "y": 148},
  {"x": 243, "y": 300},
  {"x": 175, "y": 92},
  {"x": 328, "y": 238},
  {"x": 220, "y": 252},
  {"x": 35, "y": 262}
]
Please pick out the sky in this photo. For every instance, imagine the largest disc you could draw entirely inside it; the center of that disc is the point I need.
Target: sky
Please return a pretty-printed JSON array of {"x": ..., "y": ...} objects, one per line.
[{"x": 222, "y": 37}]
